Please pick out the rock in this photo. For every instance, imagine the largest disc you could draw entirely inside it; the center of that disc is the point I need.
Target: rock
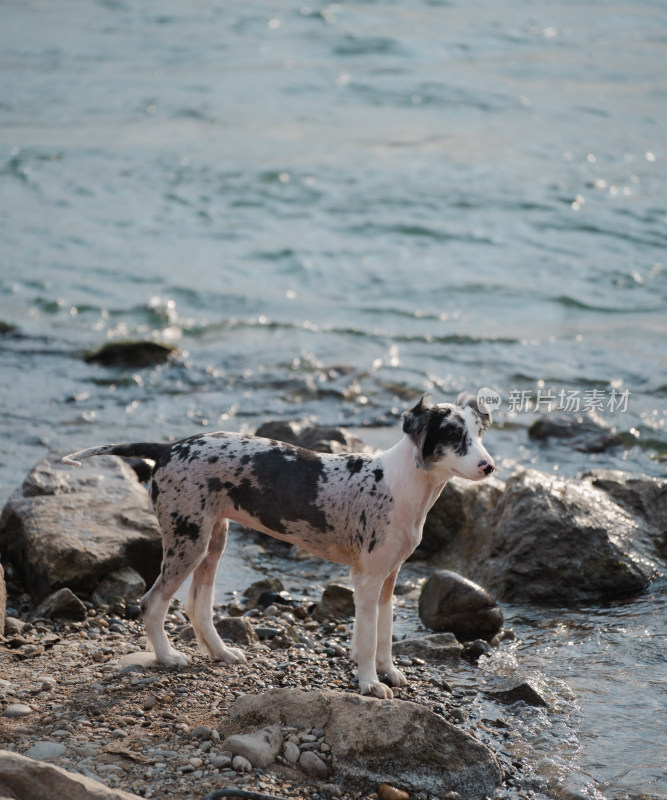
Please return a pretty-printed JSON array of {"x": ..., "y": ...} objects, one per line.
[
  {"x": 522, "y": 691},
  {"x": 586, "y": 433},
  {"x": 3, "y": 600},
  {"x": 63, "y": 604},
  {"x": 305, "y": 434},
  {"x": 291, "y": 752},
  {"x": 72, "y": 527},
  {"x": 123, "y": 584},
  {"x": 380, "y": 741},
  {"x": 23, "y": 778},
  {"x": 313, "y": 765},
  {"x": 554, "y": 540},
  {"x": 221, "y": 761},
  {"x": 202, "y": 732},
  {"x": 256, "y": 589},
  {"x": 238, "y": 629},
  {"x": 260, "y": 748},
  {"x": 241, "y": 764},
  {"x": 449, "y": 602},
  {"x": 457, "y": 509},
  {"x": 43, "y": 751},
  {"x": 15, "y": 710},
  {"x": 337, "y": 601},
  {"x": 641, "y": 496},
  {"x": 131, "y": 354},
  {"x": 436, "y": 648},
  {"x": 387, "y": 792}
]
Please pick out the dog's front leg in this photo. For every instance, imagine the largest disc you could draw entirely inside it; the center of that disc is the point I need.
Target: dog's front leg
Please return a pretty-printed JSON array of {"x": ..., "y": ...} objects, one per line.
[
  {"x": 384, "y": 661},
  {"x": 366, "y": 597}
]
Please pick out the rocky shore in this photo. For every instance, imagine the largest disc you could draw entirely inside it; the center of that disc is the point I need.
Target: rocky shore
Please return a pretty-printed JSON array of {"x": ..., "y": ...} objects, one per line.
[{"x": 79, "y": 693}]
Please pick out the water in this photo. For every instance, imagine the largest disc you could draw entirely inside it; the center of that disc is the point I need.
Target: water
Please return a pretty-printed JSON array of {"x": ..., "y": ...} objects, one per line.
[{"x": 330, "y": 209}]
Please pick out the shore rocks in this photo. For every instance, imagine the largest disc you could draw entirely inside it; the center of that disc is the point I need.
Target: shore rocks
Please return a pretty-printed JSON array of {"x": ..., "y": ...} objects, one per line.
[
  {"x": 259, "y": 748},
  {"x": 63, "y": 604},
  {"x": 554, "y": 540},
  {"x": 376, "y": 742},
  {"x": 449, "y": 602},
  {"x": 123, "y": 584},
  {"x": 23, "y": 778},
  {"x": 71, "y": 527},
  {"x": 435, "y": 648},
  {"x": 586, "y": 433}
]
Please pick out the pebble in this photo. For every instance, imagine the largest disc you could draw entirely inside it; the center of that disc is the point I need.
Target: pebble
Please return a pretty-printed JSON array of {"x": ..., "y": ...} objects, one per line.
[
  {"x": 220, "y": 761},
  {"x": 43, "y": 751},
  {"x": 17, "y": 710},
  {"x": 291, "y": 752},
  {"x": 388, "y": 792},
  {"x": 313, "y": 765},
  {"x": 241, "y": 764}
]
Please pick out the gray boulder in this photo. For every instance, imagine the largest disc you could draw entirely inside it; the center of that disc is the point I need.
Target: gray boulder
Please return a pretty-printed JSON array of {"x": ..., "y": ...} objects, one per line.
[
  {"x": 586, "y": 432},
  {"x": 123, "y": 584},
  {"x": 337, "y": 601},
  {"x": 457, "y": 509},
  {"x": 23, "y": 778},
  {"x": 260, "y": 747},
  {"x": 380, "y": 741},
  {"x": 69, "y": 526},
  {"x": 449, "y": 602},
  {"x": 554, "y": 540},
  {"x": 62, "y": 604}
]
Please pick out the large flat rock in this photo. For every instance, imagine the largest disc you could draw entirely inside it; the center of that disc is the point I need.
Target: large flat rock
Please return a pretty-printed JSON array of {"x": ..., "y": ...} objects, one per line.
[{"x": 379, "y": 741}]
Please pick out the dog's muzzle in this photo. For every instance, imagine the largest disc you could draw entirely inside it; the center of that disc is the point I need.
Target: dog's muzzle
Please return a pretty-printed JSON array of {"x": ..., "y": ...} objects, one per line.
[{"x": 486, "y": 467}]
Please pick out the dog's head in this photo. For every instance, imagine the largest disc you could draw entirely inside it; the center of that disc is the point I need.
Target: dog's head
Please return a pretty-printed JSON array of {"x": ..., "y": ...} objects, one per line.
[{"x": 448, "y": 437}]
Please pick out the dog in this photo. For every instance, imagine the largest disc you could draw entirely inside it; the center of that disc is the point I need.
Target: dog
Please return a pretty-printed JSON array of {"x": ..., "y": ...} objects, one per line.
[{"x": 365, "y": 511}]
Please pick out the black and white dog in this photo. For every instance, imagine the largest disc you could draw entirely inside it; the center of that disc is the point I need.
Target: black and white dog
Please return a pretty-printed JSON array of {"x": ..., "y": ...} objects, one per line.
[{"x": 361, "y": 510}]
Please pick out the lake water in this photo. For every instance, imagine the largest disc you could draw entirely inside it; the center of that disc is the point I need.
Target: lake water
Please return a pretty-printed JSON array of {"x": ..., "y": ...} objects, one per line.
[{"x": 330, "y": 209}]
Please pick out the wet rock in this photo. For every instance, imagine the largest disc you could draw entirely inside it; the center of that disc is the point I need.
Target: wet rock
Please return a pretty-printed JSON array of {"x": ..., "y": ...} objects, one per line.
[
  {"x": 129, "y": 354},
  {"x": 380, "y": 741},
  {"x": 320, "y": 439},
  {"x": 449, "y": 602},
  {"x": 70, "y": 526},
  {"x": 313, "y": 766},
  {"x": 435, "y": 648},
  {"x": 586, "y": 433},
  {"x": 259, "y": 748},
  {"x": 6, "y": 328},
  {"x": 457, "y": 509},
  {"x": 554, "y": 540},
  {"x": 642, "y": 496},
  {"x": 337, "y": 601},
  {"x": 522, "y": 691},
  {"x": 63, "y": 604},
  {"x": 23, "y": 778}
]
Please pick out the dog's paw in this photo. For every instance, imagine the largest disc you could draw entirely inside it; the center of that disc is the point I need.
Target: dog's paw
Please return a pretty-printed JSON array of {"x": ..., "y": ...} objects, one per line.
[
  {"x": 376, "y": 689},
  {"x": 396, "y": 677},
  {"x": 173, "y": 659},
  {"x": 230, "y": 655}
]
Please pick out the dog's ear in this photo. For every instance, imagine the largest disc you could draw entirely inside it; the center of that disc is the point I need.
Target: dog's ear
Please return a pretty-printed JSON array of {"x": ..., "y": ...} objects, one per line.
[
  {"x": 415, "y": 422},
  {"x": 468, "y": 400}
]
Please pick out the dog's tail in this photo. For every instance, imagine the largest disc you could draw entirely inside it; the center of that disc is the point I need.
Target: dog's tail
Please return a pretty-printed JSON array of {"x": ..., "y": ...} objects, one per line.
[{"x": 150, "y": 450}]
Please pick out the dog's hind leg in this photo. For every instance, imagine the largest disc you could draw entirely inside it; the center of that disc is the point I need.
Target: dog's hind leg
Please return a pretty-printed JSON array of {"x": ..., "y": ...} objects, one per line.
[
  {"x": 383, "y": 660},
  {"x": 367, "y": 590},
  {"x": 183, "y": 549},
  {"x": 199, "y": 605}
]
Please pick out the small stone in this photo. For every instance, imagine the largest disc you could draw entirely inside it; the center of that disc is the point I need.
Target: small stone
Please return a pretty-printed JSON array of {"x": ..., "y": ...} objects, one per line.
[
  {"x": 241, "y": 764},
  {"x": 43, "y": 751},
  {"x": 63, "y": 604},
  {"x": 522, "y": 691},
  {"x": 313, "y": 765},
  {"x": 291, "y": 752},
  {"x": 388, "y": 792},
  {"x": 201, "y": 732},
  {"x": 17, "y": 710},
  {"x": 220, "y": 761}
]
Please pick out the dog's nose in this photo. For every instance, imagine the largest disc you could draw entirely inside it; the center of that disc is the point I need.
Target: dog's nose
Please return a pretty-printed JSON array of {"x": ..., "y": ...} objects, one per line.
[{"x": 486, "y": 467}]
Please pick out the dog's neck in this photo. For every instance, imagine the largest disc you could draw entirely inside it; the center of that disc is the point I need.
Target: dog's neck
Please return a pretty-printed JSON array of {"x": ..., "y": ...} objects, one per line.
[{"x": 418, "y": 488}]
